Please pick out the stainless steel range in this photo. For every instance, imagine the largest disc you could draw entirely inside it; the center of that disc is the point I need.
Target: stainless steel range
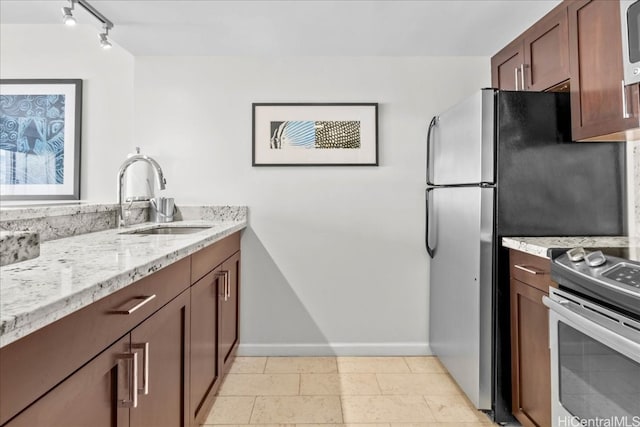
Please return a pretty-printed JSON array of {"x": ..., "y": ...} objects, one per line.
[{"x": 594, "y": 322}]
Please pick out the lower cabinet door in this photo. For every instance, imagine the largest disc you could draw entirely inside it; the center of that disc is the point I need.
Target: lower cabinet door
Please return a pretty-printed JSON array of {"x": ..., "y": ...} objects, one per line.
[
  {"x": 530, "y": 358},
  {"x": 161, "y": 344},
  {"x": 229, "y": 312},
  {"x": 95, "y": 395},
  {"x": 206, "y": 295}
]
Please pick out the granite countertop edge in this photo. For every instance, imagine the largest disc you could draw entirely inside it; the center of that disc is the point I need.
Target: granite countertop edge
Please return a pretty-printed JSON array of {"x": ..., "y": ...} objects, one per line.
[
  {"x": 15, "y": 325},
  {"x": 540, "y": 246}
]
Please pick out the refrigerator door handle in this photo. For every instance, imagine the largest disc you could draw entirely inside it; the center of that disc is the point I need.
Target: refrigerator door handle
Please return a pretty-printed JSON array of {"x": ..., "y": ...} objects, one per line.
[
  {"x": 432, "y": 124},
  {"x": 431, "y": 251}
]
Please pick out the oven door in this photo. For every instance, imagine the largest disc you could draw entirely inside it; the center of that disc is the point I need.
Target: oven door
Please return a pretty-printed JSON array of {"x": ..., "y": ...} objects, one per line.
[{"x": 595, "y": 363}]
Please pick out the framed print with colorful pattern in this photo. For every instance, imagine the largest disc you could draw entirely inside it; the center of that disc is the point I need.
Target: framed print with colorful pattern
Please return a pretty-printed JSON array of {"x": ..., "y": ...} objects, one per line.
[
  {"x": 40, "y": 127},
  {"x": 337, "y": 134}
]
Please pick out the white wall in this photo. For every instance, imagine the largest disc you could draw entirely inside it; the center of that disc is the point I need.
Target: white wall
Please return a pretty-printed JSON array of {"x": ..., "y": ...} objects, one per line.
[
  {"x": 334, "y": 259},
  {"x": 56, "y": 51}
]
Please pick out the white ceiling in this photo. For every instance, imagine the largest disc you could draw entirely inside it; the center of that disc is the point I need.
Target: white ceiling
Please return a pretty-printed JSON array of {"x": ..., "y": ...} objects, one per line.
[{"x": 300, "y": 27}]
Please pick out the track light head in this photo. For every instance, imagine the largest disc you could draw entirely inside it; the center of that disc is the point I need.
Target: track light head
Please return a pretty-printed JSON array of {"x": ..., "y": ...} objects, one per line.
[
  {"x": 104, "y": 41},
  {"x": 67, "y": 16}
]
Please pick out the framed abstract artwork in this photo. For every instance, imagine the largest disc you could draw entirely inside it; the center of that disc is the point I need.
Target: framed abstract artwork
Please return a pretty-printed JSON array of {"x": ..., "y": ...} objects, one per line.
[
  {"x": 40, "y": 127},
  {"x": 312, "y": 134}
]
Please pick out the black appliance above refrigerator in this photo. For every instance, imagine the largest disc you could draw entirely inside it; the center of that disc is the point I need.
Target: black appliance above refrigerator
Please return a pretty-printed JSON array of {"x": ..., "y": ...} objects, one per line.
[{"x": 500, "y": 164}]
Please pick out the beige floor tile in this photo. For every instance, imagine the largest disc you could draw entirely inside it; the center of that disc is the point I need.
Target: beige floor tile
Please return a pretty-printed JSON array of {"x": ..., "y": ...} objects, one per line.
[
  {"x": 260, "y": 385},
  {"x": 424, "y": 384},
  {"x": 372, "y": 365},
  {"x": 231, "y": 410},
  {"x": 248, "y": 365},
  {"x": 297, "y": 409},
  {"x": 307, "y": 365},
  {"x": 381, "y": 409},
  {"x": 454, "y": 409},
  {"x": 338, "y": 384},
  {"x": 436, "y": 424},
  {"x": 425, "y": 365},
  {"x": 254, "y": 425},
  {"x": 344, "y": 425}
]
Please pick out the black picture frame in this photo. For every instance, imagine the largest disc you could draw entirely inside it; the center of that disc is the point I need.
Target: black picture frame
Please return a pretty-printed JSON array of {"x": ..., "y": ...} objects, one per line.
[
  {"x": 44, "y": 133},
  {"x": 315, "y": 134}
]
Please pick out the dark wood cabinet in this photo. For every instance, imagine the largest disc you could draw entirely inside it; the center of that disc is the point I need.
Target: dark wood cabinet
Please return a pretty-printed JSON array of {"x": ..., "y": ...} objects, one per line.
[
  {"x": 228, "y": 338},
  {"x": 214, "y": 321},
  {"x": 546, "y": 51},
  {"x": 162, "y": 344},
  {"x": 530, "y": 357},
  {"x": 507, "y": 66},
  {"x": 538, "y": 59},
  {"x": 96, "y": 394},
  {"x": 206, "y": 295},
  {"x": 576, "y": 47},
  {"x": 87, "y": 398},
  {"x": 601, "y": 106},
  {"x": 36, "y": 363},
  {"x": 179, "y": 324}
]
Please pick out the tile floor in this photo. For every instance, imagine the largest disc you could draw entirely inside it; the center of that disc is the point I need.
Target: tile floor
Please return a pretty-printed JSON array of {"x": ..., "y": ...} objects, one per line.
[{"x": 332, "y": 391}]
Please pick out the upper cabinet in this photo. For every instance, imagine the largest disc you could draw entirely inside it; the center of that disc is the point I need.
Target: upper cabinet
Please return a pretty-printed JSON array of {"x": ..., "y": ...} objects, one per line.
[
  {"x": 576, "y": 47},
  {"x": 507, "y": 66},
  {"x": 546, "y": 52},
  {"x": 537, "y": 60},
  {"x": 601, "y": 106}
]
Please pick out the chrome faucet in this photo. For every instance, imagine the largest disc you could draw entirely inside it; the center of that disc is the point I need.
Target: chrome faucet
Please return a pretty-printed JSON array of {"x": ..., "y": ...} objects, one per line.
[{"x": 131, "y": 160}]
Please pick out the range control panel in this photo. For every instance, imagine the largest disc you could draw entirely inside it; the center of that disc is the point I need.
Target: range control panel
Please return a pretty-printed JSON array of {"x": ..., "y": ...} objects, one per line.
[{"x": 624, "y": 273}]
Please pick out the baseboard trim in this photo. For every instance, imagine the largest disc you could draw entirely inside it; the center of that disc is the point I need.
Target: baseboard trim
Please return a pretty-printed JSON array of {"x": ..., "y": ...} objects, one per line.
[{"x": 335, "y": 349}]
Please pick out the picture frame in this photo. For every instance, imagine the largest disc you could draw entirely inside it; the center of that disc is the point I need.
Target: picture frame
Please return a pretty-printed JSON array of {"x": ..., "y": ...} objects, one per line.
[
  {"x": 40, "y": 139},
  {"x": 315, "y": 134}
]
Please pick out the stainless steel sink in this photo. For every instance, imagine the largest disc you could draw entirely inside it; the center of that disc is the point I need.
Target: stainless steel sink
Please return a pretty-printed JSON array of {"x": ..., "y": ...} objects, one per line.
[{"x": 169, "y": 230}]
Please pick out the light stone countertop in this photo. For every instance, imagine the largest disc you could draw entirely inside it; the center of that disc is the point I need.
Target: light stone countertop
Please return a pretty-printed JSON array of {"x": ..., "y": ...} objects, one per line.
[
  {"x": 539, "y": 246},
  {"x": 21, "y": 211},
  {"x": 73, "y": 272},
  {"x": 16, "y": 246}
]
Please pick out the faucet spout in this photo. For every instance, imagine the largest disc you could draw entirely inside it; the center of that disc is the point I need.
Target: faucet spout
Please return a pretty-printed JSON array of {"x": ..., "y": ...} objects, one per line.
[{"x": 160, "y": 179}]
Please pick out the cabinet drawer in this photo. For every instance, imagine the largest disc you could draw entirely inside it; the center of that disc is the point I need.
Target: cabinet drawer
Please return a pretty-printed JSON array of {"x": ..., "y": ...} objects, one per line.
[
  {"x": 530, "y": 269},
  {"x": 34, "y": 364},
  {"x": 212, "y": 256}
]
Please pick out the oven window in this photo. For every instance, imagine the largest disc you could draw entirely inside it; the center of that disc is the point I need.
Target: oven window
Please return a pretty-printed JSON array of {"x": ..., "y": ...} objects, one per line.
[
  {"x": 595, "y": 380},
  {"x": 633, "y": 35}
]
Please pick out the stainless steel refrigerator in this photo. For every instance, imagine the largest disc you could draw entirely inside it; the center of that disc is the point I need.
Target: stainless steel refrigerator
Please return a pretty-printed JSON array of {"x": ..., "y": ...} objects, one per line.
[{"x": 502, "y": 163}]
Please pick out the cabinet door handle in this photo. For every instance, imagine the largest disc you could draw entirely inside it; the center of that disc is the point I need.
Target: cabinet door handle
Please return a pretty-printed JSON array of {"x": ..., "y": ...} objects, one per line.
[
  {"x": 625, "y": 111},
  {"x": 132, "y": 375},
  {"x": 144, "y": 300},
  {"x": 528, "y": 269},
  {"x": 516, "y": 77},
  {"x": 522, "y": 77},
  {"x": 228, "y": 281},
  {"x": 223, "y": 274},
  {"x": 145, "y": 366}
]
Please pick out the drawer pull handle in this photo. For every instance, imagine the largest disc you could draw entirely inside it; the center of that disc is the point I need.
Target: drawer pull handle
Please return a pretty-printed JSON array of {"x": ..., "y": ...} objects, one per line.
[
  {"x": 145, "y": 366},
  {"x": 132, "y": 376},
  {"x": 527, "y": 269},
  {"x": 143, "y": 300}
]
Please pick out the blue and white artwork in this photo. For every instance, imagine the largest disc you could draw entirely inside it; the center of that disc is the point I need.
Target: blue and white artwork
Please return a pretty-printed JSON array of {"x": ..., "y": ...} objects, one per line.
[
  {"x": 32, "y": 139},
  {"x": 315, "y": 134}
]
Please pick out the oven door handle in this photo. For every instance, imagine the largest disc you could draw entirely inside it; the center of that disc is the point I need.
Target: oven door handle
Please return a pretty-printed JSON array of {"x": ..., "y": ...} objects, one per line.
[{"x": 605, "y": 333}]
